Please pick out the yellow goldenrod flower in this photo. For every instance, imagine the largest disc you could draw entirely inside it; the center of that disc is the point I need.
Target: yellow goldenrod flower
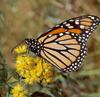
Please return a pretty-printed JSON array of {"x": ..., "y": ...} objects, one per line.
[
  {"x": 48, "y": 73},
  {"x": 34, "y": 69},
  {"x": 21, "y": 49},
  {"x": 24, "y": 64},
  {"x": 19, "y": 91}
]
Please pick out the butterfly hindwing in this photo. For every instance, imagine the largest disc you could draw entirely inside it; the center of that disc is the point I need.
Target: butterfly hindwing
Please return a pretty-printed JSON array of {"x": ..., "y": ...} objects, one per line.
[{"x": 65, "y": 51}]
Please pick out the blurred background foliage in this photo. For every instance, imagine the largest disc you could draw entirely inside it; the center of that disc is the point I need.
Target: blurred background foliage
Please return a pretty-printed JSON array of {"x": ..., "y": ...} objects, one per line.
[{"x": 29, "y": 18}]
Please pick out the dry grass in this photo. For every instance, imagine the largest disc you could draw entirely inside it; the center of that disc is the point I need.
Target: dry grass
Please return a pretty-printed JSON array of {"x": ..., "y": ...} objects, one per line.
[{"x": 26, "y": 18}]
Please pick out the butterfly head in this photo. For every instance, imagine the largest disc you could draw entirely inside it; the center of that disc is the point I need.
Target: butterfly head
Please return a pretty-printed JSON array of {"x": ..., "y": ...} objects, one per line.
[{"x": 33, "y": 45}]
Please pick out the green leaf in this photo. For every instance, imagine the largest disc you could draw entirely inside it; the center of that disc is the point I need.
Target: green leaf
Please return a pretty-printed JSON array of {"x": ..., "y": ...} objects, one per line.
[
  {"x": 1, "y": 84},
  {"x": 3, "y": 67},
  {"x": 5, "y": 74},
  {"x": 8, "y": 94},
  {"x": 15, "y": 74}
]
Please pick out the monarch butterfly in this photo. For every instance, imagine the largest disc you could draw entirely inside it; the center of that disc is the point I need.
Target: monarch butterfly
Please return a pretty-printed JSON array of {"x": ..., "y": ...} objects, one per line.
[{"x": 64, "y": 45}]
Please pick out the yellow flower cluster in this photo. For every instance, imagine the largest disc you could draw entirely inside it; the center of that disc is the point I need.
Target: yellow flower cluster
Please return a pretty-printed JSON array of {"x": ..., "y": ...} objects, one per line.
[
  {"x": 21, "y": 49},
  {"x": 34, "y": 69},
  {"x": 19, "y": 91}
]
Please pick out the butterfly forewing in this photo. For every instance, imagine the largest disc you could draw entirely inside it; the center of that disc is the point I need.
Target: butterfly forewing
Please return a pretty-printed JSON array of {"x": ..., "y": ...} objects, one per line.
[
  {"x": 82, "y": 25},
  {"x": 65, "y": 53}
]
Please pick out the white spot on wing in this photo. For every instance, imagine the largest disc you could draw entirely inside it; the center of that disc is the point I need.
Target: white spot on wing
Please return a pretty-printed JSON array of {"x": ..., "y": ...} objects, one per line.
[
  {"x": 50, "y": 35},
  {"x": 94, "y": 24},
  {"x": 92, "y": 17},
  {"x": 60, "y": 34},
  {"x": 82, "y": 26},
  {"x": 57, "y": 25},
  {"x": 71, "y": 20},
  {"x": 61, "y": 26},
  {"x": 76, "y": 22},
  {"x": 70, "y": 27},
  {"x": 67, "y": 32},
  {"x": 64, "y": 22},
  {"x": 67, "y": 24},
  {"x": 87, "y": 31}
]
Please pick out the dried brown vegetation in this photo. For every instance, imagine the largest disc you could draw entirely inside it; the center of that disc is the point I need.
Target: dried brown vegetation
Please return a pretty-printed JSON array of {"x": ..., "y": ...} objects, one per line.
[{"x": 29, "y": 18}]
